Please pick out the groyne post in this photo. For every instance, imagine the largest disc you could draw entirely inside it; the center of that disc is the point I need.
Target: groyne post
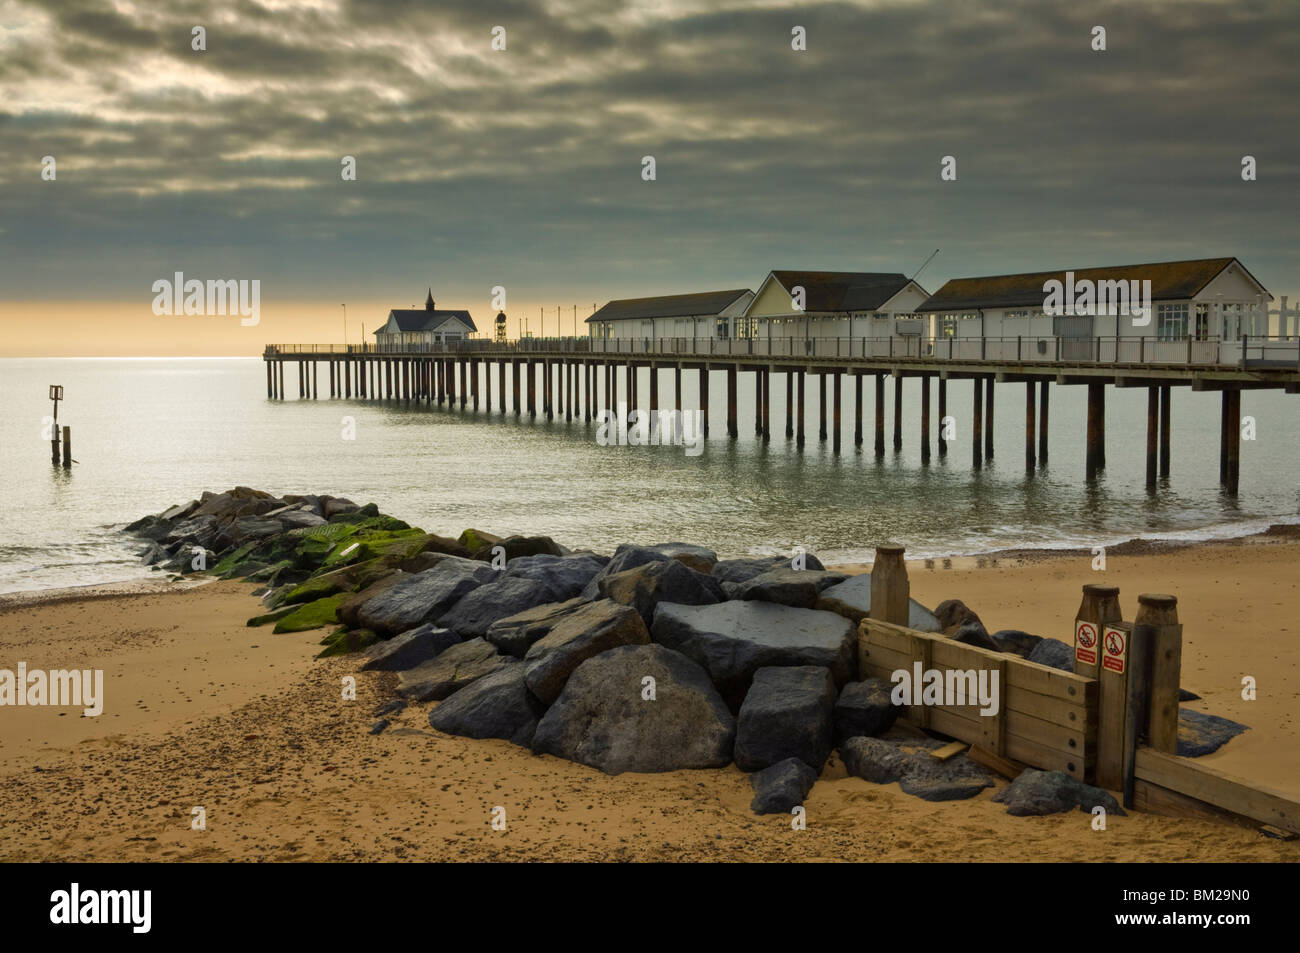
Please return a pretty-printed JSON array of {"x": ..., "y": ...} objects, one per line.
[
  {"x": 1160, "y": 614},
  {"x": 1100, "y": 605},
  {"x": 1112, "y": 702},
  {"x": 890, "y": 590}
]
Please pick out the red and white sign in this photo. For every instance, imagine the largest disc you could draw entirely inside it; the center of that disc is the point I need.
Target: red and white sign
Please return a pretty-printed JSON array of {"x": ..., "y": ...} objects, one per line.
[
  {"x": 1085, "y": 642},
  {"x": 1114, "y": 645}
]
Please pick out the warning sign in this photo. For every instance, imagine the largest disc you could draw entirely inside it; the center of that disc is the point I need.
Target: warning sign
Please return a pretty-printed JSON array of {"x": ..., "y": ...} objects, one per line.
[
  {"x": 1085, "y": 642},
  {"x": 1114, "y": 650}
]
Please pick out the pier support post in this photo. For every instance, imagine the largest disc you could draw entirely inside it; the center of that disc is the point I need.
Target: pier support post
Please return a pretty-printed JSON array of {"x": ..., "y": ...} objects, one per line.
[
  {"x": 268, "y": 380},
  {"x": 733, "y": 428},
  {"x": 799, "y": 412},
  {"x": 988, "y": 419},
  {"x": 514, "y": 381},
  {"x": 767, "y": 403},
  {"x": 654, "y": 392},
  {"x": 1096, "y": 434},
  {"x": 532, "y": 389},
  {"x": 925, "y": 418},
  {"x": 880, "y": 415},
  {"x": 1030, "y": 425},
  {"x": 1153, "y": 434},
  {"x": 977, "y": 426},
  {"x": 821, "y": 400},
  {"x": 1042, "y": 423},
  {"x": 1230, "y": 442},
  {"x": 898, "y": 413},
  {"x": 857, "y": 410},
  {"x": 789, "y": 404},
  {"x": 704, "y": 396},
  {"x": 677, "y": 387},
  {"x": 758, "y": 402},
  {"x": 835, "y": 414},
  {"x": 943, "y": 416},
  {"x": 347, "y": 379}
]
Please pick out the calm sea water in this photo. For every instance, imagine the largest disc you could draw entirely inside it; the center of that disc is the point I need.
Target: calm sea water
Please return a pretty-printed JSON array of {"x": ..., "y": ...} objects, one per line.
[{"x": 152, "y": 432}]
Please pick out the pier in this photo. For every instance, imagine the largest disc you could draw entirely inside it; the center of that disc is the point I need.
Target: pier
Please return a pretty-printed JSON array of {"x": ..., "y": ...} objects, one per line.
[{"x": 577, "y": 377}]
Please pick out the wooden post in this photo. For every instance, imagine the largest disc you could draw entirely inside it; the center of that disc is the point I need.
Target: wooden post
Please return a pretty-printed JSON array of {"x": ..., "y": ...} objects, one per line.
[
  {"x": 1165, "y": 413},
  {"x": 1096, "y": 433},
  {"x": 268, "y": 380},
  {"x": 898, "y": 413},
  {"x": 704, "y": 396},
  {"x": 1230, "y": 441},
  {"x": 1100, "y": 605},
  {"x": 677, "y": 387},
  {"x": 988, "y": 419},
  {"x": 943, "y": 416},
  {"x": 767, "y": 403},
  {"x": 1042, "y": 423},
  {"x": 977, "y": 426},
  {"x": 890, "y": 590},
  {"x": 857, "y": 412},
  {"x": 1160, "y": 613},
  {"x": 800, "y": 412},
  {"x": 654, "y": 392},
  {"x": 1029, "y": 425},
  {"x": 532, "y": 388},
  {"x": 835, "y": 416},
  {"x": 67, "y": 447},
  {"x": 925, "y": 418},
  {"x": 1112, "y": 703},
  {"x": 821, "y": 403},
  {"x": 880, "y": 415},
  {"x": 1153, "y": 433},
  {"x": 1136, "y": 702},
  {"x": 789, "y": 404}
]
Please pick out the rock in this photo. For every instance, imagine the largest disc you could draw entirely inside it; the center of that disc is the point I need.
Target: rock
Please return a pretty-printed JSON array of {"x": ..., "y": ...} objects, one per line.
[
  {"x": 692, "y": 556},
  {"x": 788, "y": 587},
  {"x": 864, "y": 709},
  {"x": 379, "y": 726},
  {"x": 1015, "y": 641},
  {"x": 649, "y": 584},
  {"x": 1053, "y": 652},
  {"x": 972, "y": 633},
  {"x": 1185, "y": 696},
  {"x": 882, "y": 761},
  {"x": 787, "y": 713},
  {"x": 564, "y": 576},
  {"x": 344, "y": 641},
  {"x": 310, "y": 615},
  {"x": 743, "y": 570},
  {"x": 1201, "y": 734},
  {"x": 625, "y": 557},
  {"x": 450, "y": 671},
  {"x": 780, "y": 788},
  {"x": 476, "y": 541},
  {"x": 445, "y": 547},
  {"x": 519, "y": 546},
  {"x": 389, "y": 708},
  {"x": 474, "y": 614},
  {"x": 154, "y": 528},
  {"x": 337, "y": 506},
  {"x": 587, "y": 631},
  {"x": 350, "y": 607},
  {"x": 1035, "y": 793},
  {"x": 411, "y": 648},
  {"x": 425, "y": 596},
  {"x": 196, "y": 529},
  {"x": 852, "y": 599},
  {"x": 498, "y": 705},
  {"x": 513, "y": 635},
  {"x": 603, "y": 719},
  {"x": 733, "y": 640},
  {"x": 298, "y": 519},
  {"x": 953, "y": 613}
]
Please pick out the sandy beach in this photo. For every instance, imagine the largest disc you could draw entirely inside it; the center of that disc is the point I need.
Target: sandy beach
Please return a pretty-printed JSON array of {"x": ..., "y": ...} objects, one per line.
[{"x": 202, "y": 711}]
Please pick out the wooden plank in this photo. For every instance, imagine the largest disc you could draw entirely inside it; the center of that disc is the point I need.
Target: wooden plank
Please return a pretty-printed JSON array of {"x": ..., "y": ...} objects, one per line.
[
  {"x": 1218, "y": 788},
  {"x": 921, "y": 654},
  {"x": 949, "y": 750},
  {"x": 1003, "y": 766},
  {"x": 1153, "y": 799},
  {"x": 1017, "y": 748}
]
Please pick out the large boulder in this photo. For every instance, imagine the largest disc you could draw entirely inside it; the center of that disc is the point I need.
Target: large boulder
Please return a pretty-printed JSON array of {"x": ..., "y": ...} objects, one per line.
[
  {"x": 649, "y": 584},
  {"x": 409, "y": 649},
  {"x": 606, "y": 718},
  {"x": 498, "y": 705},
  {"x": 852, "y": 599},
  {"x": 350, "y": 607},
  {"x": 778, "y": 789},
  {"x": 953, "y": 613},
  {"x": 474, "y": 614},
  {"x": 972, "y": 633},
  {"x": 1054, "y": 653},
  {"x": 917, "y": 772},
  {"x": 514, "y": 634},
  {"x": 788, "y": 713},
  {"x": 581, "y": 634},
  {"x": 864, "y": 708},
  {"x": 788, "y": 587},
  {"x": 1200, "y": 733},
  {"x": 625, "y": 557},
  {"x": 1015, "y": 642},
  {"x": 743, "y": 570},
  {"x": 1034, "y": 793},
  {"x": 695, "y": 557},
  {"x": 450, "y": 671},
  {"x": 518, "y": 546},
  {"x": 425, "y": 596},
  {"x": 564, "y": 576},
  {"x": 733, "y": 640}
]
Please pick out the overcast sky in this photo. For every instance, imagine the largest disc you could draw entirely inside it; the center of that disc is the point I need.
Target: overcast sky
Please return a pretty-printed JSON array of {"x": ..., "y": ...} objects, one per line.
[{"x": 523, "y": 168}]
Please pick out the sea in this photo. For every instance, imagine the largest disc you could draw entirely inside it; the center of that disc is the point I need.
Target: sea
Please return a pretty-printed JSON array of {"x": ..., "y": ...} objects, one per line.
[{"x": 151, "y": 432}]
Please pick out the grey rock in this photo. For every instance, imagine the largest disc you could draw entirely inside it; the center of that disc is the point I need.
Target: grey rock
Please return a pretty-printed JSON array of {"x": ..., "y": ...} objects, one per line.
[
  {"x": 564, "y": 576},
  {"x": 514, "y": 634},
  {"x": 603, "y": 719},
  {"x": 733, "y": 640},
  {"x": 1201, "y": 734},
  {"x": 694, "y": 557},
  {"x": 955, "y": 613},
  {"x": 625, "y": 557},
  {"x": 1053, "y": 652},
  {"x": 1015, "y": 641},
  {"x": 787, "y": 713},
  {"x": 1185, "y": 696},
  {"x": 743, "y": 570},
  {"x": 517, "y": 547},
  {"x": 588, "y": 631},
  {"x": 788, "y": 587},
  {"x": 1035, "y": 793},
  {"x": 781, "y": 787},
  {"x": 300, "y": 518},
  {"x": 425, "y": 596},
  {"x": 498, "y": 705},
  {"x": 972, "y": 633},
  {"x": 644, "y": 587},
  {"x": 864, "y": 708},
  {"x": 852, "y": 599},
  {"x": 379, "y": 726},
  {"x": 451, "y": 671},
  {"x": 475, "y": 612},
  {"x": 411, "y": 648},
  {"x": 882, "y": 761},
  {"x": 389, "y": 708}
]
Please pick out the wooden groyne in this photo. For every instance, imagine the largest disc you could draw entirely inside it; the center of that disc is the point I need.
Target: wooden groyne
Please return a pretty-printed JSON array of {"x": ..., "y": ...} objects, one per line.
[{"x": 577, "y": 377}]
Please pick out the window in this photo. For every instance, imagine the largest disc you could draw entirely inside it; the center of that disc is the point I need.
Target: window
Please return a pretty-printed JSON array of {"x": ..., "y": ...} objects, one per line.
[
  {"x": 722, "y": 328},
  {"x": 949, "y": 325},
  {"x": 1202, "y": 322},
  {"x": 1171, "y": 322}
]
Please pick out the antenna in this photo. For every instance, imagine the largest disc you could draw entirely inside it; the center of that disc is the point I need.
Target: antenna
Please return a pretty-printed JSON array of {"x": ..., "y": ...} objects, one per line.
[{"x": 926, "y": 262}]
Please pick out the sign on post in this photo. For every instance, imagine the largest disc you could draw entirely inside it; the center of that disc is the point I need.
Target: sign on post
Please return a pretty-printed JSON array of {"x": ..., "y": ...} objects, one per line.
[
  {"x": 1085, "y": 642},
  {"x": 1114, "y": 646}
]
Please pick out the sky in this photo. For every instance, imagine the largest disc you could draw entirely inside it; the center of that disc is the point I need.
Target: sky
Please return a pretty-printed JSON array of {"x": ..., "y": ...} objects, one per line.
[{"x": 523, "y": 168}]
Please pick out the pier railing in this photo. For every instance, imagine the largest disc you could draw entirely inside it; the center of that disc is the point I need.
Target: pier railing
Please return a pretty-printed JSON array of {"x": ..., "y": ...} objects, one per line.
[{"x": 1258, "y": 351}]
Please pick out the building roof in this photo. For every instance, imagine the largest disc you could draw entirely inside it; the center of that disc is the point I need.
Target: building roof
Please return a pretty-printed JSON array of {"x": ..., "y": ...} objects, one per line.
[
  {"x": 423, "y": 319},
  {"x": 843, "y": 290},
  {"x": 669, "y": 306},
  {"x": 1170, "y": 280}
]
